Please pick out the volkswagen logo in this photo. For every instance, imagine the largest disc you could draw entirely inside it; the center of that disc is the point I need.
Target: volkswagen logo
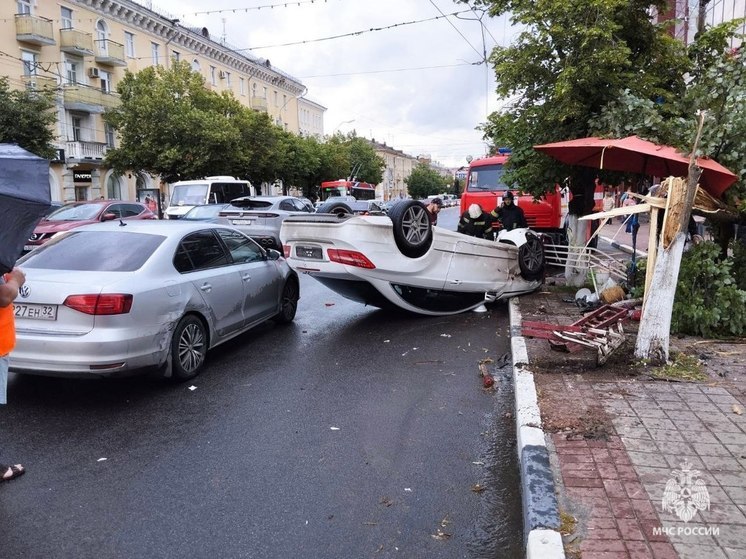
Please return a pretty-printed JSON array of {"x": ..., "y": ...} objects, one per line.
[{"x": 24, "y": 291}]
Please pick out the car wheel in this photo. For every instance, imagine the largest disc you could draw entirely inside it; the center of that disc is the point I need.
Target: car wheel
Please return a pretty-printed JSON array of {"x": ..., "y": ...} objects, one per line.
[
  {"x": 531, "y": 258},
  {"x": 340, "y": 209},
  {"x": 289, "y": 301},
  {"x": 413, "y": 231},
  {"x": 188, "y": 348}
]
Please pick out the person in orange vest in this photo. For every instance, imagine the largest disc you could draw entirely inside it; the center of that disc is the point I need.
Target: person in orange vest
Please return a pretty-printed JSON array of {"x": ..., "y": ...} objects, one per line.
[{"x": 10, "y": 283}]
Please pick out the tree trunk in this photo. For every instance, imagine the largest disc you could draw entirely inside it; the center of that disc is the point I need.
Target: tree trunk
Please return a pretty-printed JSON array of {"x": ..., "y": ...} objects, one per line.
[{"x": 576, "y": 266}]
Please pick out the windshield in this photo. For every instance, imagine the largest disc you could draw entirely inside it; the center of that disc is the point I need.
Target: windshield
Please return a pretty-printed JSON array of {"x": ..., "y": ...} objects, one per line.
[
  {"x": 189, "y": 194},
  {"x": 116, "y": 251},
  {"x": 487, "y": 178},
  {"x": 204, "y": 212},
  {"x": 363, "y": 193},
  {"x": 77, "y": 212},
  {"x": 329, "y": 191}
]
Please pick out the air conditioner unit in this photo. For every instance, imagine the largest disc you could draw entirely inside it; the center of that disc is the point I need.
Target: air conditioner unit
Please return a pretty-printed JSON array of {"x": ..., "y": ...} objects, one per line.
[
  {"x": 222, "y": 75},
  {"x": 93, "y": 73}
]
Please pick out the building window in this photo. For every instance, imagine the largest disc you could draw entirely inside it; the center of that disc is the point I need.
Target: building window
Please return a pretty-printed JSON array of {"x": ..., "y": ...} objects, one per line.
[
  {"x": 213, "y": 78},
  {"x": 105, "y": 81},
  {"x": 155, "y": 52},
  {"x": 66, "y": 18},
  {"x": 277, "y": 98},
  {"x": 242, "y": 86},
  {"x": 253, "y": 90},
  {"x": 113, "y": 187},
  {"x": 129, "y": 44},
  {"x": 77, "y": 123},
  {"x": 109, "y": 134},
  {"x": 228, "y": 79},
  {"x": 195, "y": 66},
  {"x": 23, "y": 6},
  {"x": 175, "y": 55},
  {"x": 29, "y": 63},
  {"x": 71, "y": 69}
]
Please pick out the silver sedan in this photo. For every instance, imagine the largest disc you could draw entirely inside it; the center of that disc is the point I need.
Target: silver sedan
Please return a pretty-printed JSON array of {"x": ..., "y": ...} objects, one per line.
[{"x": 116, "y": 298}]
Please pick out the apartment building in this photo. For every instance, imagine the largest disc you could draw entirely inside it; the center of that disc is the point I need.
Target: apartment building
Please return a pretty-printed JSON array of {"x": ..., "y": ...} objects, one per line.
[
  {"x": 687, "y": 15},
  {"x": 82, "y": 48},
  {"x": 399, "y": 166}
]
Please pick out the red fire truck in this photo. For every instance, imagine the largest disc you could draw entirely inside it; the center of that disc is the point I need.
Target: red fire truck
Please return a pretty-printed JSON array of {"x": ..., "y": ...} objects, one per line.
[{"x": 485, "y": 186}]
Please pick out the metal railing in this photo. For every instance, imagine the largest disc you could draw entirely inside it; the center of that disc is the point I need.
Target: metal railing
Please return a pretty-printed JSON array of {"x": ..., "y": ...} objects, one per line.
[
  {"x": 585, "y": 258},
  {"x": 83, "y": 95}
]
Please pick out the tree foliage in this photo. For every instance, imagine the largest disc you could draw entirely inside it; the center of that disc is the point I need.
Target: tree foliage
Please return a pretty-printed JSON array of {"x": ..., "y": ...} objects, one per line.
[
  {"x": 425, "y": 181},
  {"x": 27, "y": 118}
]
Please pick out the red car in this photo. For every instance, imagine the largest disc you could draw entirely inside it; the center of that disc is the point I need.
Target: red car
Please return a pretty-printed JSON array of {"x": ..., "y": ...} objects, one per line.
[{"x": 75, "y": 214}]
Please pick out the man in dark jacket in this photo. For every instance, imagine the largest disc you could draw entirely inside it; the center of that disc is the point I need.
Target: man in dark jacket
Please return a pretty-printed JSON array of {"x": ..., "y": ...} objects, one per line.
[
  {"x": 433, "y": 209},
  {"x": 509, "y": 214},
  {"x": 476, "y": 223}
]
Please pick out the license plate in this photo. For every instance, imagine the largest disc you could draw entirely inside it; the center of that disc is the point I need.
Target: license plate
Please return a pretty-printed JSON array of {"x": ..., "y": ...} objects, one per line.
[
  {"x": 308, "y": 252},
  {"x": 242, "y": 221},
  {"x": 35, "y": 312},
  {"x": 29, "y": 248}
]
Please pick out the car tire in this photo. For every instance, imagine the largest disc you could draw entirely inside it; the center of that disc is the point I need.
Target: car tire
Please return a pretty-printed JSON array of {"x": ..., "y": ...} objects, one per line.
[
  {"x": 188, "y": 348},
  {"x": 531, "y": 258},
  {"x": 289, "y": 301},
  {"x": 340, "y": 209},
  {"x": 413, "y": 231}
]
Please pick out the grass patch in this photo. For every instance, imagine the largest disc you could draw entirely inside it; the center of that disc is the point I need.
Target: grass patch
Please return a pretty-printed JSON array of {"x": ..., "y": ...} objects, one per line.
[
  {"x": 567, "y": 523},
  {"x": 682, "y": 367}
]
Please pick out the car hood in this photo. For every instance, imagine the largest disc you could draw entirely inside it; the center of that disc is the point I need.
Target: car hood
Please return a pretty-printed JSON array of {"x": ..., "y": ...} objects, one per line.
[{"x": 55, "y": 226}]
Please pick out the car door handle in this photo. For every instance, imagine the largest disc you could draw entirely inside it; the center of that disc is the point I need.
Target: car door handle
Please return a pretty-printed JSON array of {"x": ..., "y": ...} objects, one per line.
[
  {"x": 206, "y": 287},
  {"x": 246, "y": 277},
  {"x": 455, "y": 282}
]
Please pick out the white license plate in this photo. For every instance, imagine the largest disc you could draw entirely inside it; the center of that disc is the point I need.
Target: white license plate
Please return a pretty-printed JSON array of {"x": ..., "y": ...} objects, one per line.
[
  {"x": 35, "y": 312},
  {"x": 242, "y": 221},
  {"x": 29, "y": 248}
]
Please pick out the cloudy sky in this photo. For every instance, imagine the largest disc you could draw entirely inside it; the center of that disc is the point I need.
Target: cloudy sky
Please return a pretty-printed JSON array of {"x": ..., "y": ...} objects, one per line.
[{"x": 412, "y": 84}]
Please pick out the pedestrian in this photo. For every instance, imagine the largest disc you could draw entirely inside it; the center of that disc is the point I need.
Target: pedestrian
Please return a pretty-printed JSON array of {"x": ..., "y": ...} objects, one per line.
[
  {"x": 150, "y": 203},
  {"x": 475, "y": 222},
  {"x": 509, "y": 214},
  {"x": 608, "y": 202},
  {"x": 433, "y": 208},
  {"x": 10, "y": 283}
]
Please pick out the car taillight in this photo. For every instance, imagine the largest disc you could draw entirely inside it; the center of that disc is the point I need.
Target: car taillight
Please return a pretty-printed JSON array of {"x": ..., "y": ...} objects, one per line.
[
  {"x": 264, "y": 215},
  {"x": 101, "y": 304},
  {"x": 350, "y": 257},
  {"x": 286, "y": 250}
]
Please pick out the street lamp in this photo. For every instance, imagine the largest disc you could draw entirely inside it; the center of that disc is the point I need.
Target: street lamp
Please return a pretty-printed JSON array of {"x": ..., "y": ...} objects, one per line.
[{"x": 340, "y": 124}]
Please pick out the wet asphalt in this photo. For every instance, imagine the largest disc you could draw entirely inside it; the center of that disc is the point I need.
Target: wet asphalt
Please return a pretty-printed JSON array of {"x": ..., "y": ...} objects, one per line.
[{"x": 349, "y": 433}]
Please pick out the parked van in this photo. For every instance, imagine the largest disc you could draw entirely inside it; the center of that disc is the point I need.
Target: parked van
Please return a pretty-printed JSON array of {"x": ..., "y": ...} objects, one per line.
[{"x": 210, "y": 190}]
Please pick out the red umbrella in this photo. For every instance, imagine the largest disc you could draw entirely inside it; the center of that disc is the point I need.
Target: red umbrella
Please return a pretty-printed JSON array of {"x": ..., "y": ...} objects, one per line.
[{"x": 635, "y": 155}]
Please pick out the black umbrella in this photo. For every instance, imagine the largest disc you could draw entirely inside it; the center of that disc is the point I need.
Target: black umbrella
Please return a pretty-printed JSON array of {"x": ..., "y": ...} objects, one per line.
[{"x": 24, "y": 200}]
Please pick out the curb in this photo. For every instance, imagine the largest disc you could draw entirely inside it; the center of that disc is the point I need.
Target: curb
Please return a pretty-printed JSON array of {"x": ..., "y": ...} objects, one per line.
[
  {"x": 625, "y": 248},
  {"x": 540, "y": 510}
]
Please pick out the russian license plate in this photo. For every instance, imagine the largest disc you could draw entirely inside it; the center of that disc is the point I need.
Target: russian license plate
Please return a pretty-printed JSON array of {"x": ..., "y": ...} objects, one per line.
[
  {"x": 35, "y": 312},
  {"x": 29, "y": 248},
  {"x": 242, "y": 221},
  {"x": 308, "y": 252}
]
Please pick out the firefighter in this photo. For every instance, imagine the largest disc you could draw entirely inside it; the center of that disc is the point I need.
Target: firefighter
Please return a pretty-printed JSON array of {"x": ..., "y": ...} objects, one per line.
[
  {"x": 509, "y": 214},
  {"x": 476, "y": 223}
]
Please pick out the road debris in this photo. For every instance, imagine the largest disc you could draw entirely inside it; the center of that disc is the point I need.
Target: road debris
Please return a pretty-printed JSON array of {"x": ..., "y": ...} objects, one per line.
[
  {"x": 192, "y": 388},
  {"x": 477, "y": 488},
  {"x": 334, "y": 428},
  {"x": 738, "y": 410}
]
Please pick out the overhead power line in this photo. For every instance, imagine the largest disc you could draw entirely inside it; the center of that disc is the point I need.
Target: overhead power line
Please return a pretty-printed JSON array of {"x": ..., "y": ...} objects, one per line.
[{"x": 391, "y": 70}]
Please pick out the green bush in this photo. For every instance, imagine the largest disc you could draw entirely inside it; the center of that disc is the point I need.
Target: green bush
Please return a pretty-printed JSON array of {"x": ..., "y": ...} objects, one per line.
[{"x": 708, "y": 300}]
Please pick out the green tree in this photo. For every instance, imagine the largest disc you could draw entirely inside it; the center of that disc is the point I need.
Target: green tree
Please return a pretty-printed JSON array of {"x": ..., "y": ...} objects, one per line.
[
  {"x": 424, "y": 181},
  {"x": 171, "y": 125},
  {"x": 366, "y": 164},
  {"x": 574, "y": 58},
  {"x": 27, "y": 118}
]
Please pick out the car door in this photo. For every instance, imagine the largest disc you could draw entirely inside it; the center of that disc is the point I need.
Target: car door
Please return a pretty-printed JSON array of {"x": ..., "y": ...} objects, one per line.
[
  {"x": 202, "y": 258},
  {"x": 261, "y": 278}
]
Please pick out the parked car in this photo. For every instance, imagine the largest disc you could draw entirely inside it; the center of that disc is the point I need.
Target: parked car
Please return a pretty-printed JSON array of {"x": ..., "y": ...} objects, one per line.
[
  {"x": 260, "y": 217},
  {"x": 112, "y": 300},
  {"x": 204, "y": 212},
  {"x": 400, "y": 260},
  {"x": 358, "y": 207},
  {"x": 75, "y": 214}
]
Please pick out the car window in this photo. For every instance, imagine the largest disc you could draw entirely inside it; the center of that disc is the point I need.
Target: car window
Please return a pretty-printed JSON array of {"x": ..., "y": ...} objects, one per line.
[
  {"x": 131, "y": 210},
  {"x": 242, "y": 248},
  {"x": 94, "y": 251},
  {"x": 116, "y": 209},
  {"x": 199, "y": 251},
  {"x": 235, "y": 190},
  {"x": 75, "y": 212},
  {"x": 287, "y": 205}
]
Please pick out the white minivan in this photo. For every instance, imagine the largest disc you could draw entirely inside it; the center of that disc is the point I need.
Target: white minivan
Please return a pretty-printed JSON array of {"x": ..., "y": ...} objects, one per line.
[{"x": 210, "y": 190}]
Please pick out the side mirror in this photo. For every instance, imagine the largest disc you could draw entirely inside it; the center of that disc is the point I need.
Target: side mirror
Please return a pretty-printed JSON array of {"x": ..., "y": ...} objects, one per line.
[
  {"x": 273, "y": 254},
  {"x": 108, "y": 217}
]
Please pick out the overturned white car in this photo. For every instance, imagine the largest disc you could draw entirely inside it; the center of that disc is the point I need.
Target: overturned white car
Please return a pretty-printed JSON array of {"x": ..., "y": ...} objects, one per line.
[{"x": 401, "y": 260}]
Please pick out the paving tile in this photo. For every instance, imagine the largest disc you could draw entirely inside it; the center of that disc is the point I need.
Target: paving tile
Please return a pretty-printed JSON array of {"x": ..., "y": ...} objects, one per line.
[
  {"x": 588, "y": 546},
  {"x": 715, "y": 390},
  {"x": 648, "y": 528},
  {"x": 601, "y": 524},
  {"x": 723, "y": 514},
  {"x": 639, "y": 445},
  {"x": 639, "y": 550},
  {"x": 724, "y": 463},
  {"x": 723, "y": 399},
  {"x": 686, "y": 388},
  {"x": 728, "y": 479},
  {"x": 703, "y": 407},
  {"x": 626, "y": 472},
  {"x": 666, "y": 395},
  {"x": 620, "y": 457},
  {"x": 634, "y": 490},
  {"x": 657, "y": 423},
  {"x": 734, "y": 553},
  {"x": 690, "y": 551},
  {"x": 607, "y": 470},
  {"x": 577, "y": 468},
  {"x": 614, "y": 489},
  {"x": 602, "y": 533},
  {"x": 650, "y": 412},
  {"x": 630, "y": 529},
  {"x": 696, "y": 397},
  {"x": 577, "y": 458},
  {"x": 581, "y": 482},
  {"x": 733, "y": 536},
  {"x": 705, "y": 449},
  {"x": 601, "y": 455},
  {"x": 679, "y": 417},
  {"x": 673, "y": 405},
  {"x": 647, "y": 459},
  {"x": 736, "y": 494},
  {"x": 653, "y": 476},
  {"x": 644, "y": 510},
  {"x": 663, "y": 550},
  {"x": 732, "y": 438},
  {"x": 666, "y": 435},
  {"x": 621, "y": 508},
  {"x": 675, "y": 460},
  {"x": 633, "y": 432},
  {"x": 698, "y": 436},
  {"x": 675, "y": 448}
]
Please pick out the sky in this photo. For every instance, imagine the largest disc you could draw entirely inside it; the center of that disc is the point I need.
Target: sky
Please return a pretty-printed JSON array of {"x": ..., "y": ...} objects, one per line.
[{"x": 413, "y": 86}]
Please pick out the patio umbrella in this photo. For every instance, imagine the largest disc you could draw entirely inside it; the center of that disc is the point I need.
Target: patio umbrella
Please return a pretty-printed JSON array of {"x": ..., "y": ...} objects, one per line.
[
  {"x": 24, "y": 200},
  {"x": 635, "y": 155}
]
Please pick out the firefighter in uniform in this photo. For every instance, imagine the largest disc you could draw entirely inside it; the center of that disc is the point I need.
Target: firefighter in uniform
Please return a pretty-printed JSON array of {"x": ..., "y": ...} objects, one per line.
[
  {"x": 509, "y": 214},
  {"x": 476, "y": 223}
]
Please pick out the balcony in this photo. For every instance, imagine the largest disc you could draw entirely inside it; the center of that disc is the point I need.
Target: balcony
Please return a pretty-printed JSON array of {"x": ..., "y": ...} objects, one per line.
[
  {"x": 259, "y": 104},
  {"x": 88, "y": 99},
  {"x": 35, "y": 30},
  {"x": 76, "y": 42},
  {"x": 77, "y": 152},
  {"x": 39, "y": 83},
  {"x": 110, "y": 53}
]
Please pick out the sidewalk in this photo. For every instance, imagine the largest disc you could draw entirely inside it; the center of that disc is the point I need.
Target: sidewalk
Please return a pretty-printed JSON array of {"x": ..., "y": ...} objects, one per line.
[{"x": 621, "y": 444}]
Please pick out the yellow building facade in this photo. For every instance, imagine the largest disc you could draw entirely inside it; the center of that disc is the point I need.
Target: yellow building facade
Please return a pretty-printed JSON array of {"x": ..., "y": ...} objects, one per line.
[{"x": 82, "y": 48}]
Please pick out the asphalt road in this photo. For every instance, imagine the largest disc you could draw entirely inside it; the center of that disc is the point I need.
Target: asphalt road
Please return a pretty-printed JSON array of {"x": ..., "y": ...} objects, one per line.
[{"x": 350, "y": 433}]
